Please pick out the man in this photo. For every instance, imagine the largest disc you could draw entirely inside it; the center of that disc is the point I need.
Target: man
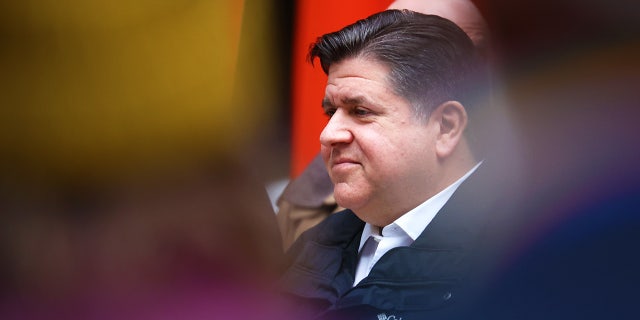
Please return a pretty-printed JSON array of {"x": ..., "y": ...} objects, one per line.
[
  {"x": 402, "y": 94},
  {"x": 308, "y": 199}
]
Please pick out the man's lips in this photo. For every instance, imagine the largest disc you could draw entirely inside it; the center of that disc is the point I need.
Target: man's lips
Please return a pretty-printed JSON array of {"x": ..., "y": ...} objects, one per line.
[
  {"x": 343, "y": 160},
  {"x": 343, "y": 163}
]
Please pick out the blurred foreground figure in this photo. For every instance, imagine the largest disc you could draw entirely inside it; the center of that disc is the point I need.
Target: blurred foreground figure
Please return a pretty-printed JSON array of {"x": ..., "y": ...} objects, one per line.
[
  {"x": 308, "y": 199},
  {"x": 125, "y": 192},
  {"x": 572, "y": 73}
]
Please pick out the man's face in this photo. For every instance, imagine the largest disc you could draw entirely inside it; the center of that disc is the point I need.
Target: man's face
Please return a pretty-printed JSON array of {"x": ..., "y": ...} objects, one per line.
[{"x": 379, "y": 156}]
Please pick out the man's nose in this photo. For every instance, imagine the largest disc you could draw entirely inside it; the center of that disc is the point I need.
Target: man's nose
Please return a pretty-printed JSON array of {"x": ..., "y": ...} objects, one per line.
[{"x": 337, "y": 130}]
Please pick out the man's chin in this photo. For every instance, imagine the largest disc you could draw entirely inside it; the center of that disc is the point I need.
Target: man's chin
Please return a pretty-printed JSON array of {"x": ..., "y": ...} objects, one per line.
[{"x": 347, "y": 199}]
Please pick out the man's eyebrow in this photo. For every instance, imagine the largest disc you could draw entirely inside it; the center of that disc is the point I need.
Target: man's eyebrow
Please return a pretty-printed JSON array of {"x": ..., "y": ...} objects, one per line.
[{"x": 357, "y": 100}]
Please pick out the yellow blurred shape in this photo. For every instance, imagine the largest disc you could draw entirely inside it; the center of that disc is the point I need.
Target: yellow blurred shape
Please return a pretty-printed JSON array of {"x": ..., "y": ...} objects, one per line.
[{"x": 111, "y": 87}]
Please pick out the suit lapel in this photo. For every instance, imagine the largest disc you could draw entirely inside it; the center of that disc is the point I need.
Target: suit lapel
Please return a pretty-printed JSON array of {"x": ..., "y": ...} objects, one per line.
[{"x": 324, "y": 268}]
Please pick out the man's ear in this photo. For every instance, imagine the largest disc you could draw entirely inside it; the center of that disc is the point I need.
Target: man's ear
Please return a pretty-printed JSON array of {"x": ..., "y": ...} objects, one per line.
[{"x": 451, "y": 117}]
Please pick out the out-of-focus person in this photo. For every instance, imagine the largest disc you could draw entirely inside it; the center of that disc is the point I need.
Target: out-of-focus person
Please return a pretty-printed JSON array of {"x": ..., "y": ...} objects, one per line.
[
  {"x": 125, "y": 188},
  {"x": 463, "y": 13},
  {"x": 570, "y": 73}
]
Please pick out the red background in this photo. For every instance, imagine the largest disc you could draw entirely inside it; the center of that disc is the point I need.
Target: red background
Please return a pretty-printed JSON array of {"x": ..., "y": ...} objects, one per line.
[{"x": 313, "y": 19}]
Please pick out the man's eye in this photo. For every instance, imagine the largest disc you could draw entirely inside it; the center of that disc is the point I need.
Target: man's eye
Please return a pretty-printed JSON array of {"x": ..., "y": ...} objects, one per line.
[
  {"x": 329, "y": 112},
  {"x": 361, "y": 111}
]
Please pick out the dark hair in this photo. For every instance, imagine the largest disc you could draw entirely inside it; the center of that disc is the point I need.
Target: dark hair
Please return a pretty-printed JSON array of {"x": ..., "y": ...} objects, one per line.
[{"x": 431, "y": 59}]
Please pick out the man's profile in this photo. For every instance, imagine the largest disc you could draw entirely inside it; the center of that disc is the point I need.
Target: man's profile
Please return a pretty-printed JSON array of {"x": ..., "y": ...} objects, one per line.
[{"x": 401, "y": 93}]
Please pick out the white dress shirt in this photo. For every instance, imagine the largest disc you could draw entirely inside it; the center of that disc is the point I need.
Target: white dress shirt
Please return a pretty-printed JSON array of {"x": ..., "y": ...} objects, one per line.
[{"x": 403, "y": 231}]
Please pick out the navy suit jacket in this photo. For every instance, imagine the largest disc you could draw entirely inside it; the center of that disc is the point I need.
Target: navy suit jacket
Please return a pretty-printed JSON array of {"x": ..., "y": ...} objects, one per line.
[{"x": 438, "y": 270}]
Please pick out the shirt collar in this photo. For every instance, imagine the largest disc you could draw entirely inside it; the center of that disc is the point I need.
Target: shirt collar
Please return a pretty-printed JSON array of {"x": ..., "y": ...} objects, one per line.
[
  {"x": 413, "y": 223},
  {"x": 368, "y": 231}
]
